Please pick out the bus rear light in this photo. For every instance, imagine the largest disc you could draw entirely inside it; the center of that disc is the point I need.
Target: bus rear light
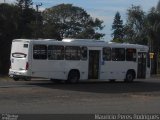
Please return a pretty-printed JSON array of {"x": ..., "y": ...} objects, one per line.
[{"x": 27, "y": 65}]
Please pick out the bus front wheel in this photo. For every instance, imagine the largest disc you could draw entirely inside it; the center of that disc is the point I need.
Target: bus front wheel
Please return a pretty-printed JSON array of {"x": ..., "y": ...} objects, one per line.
[
  {"x": 129, "y": 77},
  {"x": 73, "y": 76}
]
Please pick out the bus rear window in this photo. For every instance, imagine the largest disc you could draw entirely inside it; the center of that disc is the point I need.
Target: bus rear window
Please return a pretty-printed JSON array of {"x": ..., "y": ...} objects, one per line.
[
  {"x": 25, "y": 45},
  {"x": 19, "y": 55}
]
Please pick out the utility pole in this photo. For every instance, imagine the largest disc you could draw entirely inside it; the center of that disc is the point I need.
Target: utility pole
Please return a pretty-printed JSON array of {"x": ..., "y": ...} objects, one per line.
[
  {"x": 37, "y": 6},
  {"x": 4, "y": 1},
  {"x": 37, "y": 14}
]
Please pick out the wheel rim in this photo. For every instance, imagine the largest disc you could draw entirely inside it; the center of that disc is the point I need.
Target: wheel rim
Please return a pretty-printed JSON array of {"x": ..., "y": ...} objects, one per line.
[
  {"x": 129, "y": 77},
  {"x": 73, "y": 77}
]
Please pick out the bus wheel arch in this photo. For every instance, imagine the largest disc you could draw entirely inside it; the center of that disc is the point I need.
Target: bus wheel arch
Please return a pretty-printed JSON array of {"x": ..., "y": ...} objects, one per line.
[
  {"x": 15, "y": 78},
  {"x": 130, "y": 75},
  {"x": 73, "y": 76}
]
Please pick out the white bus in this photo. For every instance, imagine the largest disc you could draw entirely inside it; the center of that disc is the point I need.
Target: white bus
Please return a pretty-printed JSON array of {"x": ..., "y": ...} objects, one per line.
[{"x": 78, "y": 59}]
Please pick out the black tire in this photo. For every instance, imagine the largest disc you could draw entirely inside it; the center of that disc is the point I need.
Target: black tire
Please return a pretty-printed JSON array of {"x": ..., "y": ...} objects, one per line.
[
  {"x": 112, "y": 80},
  {"x": 73, "y": 77},
  {"x": 15, "y": 78},
  {"x": 27, "y": 79},
  {"x": 55, "y": 80},
  {"x": 129, "y": 77}
]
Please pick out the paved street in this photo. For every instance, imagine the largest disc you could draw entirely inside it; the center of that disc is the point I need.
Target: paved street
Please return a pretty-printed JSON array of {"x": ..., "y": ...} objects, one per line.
[{"x": 43, "y": 96}]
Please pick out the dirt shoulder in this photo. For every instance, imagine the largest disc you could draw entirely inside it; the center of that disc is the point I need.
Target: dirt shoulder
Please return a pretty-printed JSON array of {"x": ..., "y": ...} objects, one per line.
[{"x": 5, "y": 78}]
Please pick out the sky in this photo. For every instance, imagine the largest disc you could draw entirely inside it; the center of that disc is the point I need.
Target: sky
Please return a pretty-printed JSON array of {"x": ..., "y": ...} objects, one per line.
[{"x": 103, "y": 9}]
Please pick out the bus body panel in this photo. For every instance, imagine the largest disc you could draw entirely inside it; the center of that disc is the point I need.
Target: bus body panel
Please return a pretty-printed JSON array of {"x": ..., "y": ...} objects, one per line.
[
  {"x": 40, "y": 68},
  {"x": 57, "y": 69},
  {"x": 60, "y": 69},
  {"x": 110, "y": 70},
  {"x": 81, "y": 66}
]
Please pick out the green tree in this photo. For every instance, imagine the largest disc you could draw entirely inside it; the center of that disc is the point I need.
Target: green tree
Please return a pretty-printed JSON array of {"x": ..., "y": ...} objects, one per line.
[
  {"x": 153, "y": 18},
  {"x": 158, "y": 6},
  {"x": 15, "y": 22},
  {"x": 9, "y": 17},
  {"x": 27, "y": 17},
  {"x": 135, "y": 27},
  {"x": 66, "y": 20},
  {"x": 117, "y": 27},
  {"x": 24, "y": 4}
]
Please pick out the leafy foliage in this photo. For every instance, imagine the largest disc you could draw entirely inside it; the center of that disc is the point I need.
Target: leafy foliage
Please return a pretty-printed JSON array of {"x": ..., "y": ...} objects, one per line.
[
  {"x": 24, "y": 4},
  {"x": 8, "y": 30},
  {"x": 118, "y": 29},
  {"x": 66, "y": 20},
  {"x": 154, "y": 28},
  {"x": 154, "y": 35},
  {"x": 27, "y": 15},
  {"x": 135, "y": 28},
  {"x": 15, "y": 22}
]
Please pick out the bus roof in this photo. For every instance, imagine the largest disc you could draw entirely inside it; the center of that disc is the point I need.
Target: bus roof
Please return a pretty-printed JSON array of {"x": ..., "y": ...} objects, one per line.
[
  {"x": 30, "y": 40},
  {"x": 81, "y": 42}
]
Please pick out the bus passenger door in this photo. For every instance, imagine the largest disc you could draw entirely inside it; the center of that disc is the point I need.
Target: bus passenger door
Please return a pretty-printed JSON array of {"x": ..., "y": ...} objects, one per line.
[
  {"x": 93, "y": 72},
  {"x": 141, "y": 72}
]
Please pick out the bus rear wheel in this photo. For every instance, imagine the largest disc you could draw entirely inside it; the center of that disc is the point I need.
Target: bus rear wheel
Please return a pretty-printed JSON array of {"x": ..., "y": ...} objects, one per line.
[
  {"x": 16, "y": 78},
  {"x": 129, "y": 77},
  {"x": 73, "y": 77},
  {"x": 55, "y": 80},
  {"x": 27, "y": 79}
]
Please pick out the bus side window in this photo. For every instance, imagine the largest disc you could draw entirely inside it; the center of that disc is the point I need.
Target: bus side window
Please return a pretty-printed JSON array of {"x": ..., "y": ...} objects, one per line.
[
  {"x": 40, "y": 52},
  {"x": 130, "y": 54},
  {"x": 106, "y": 54},
  {"x": 55, "y": 52},
  {"x": 72, "y": 53},
  {"x": 118, "y": 54},
  {"x": 83, "y": 53}
]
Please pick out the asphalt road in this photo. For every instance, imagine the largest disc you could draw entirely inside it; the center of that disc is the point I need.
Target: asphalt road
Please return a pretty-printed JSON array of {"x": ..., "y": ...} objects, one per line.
[{"x": 45, "y": 97}]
